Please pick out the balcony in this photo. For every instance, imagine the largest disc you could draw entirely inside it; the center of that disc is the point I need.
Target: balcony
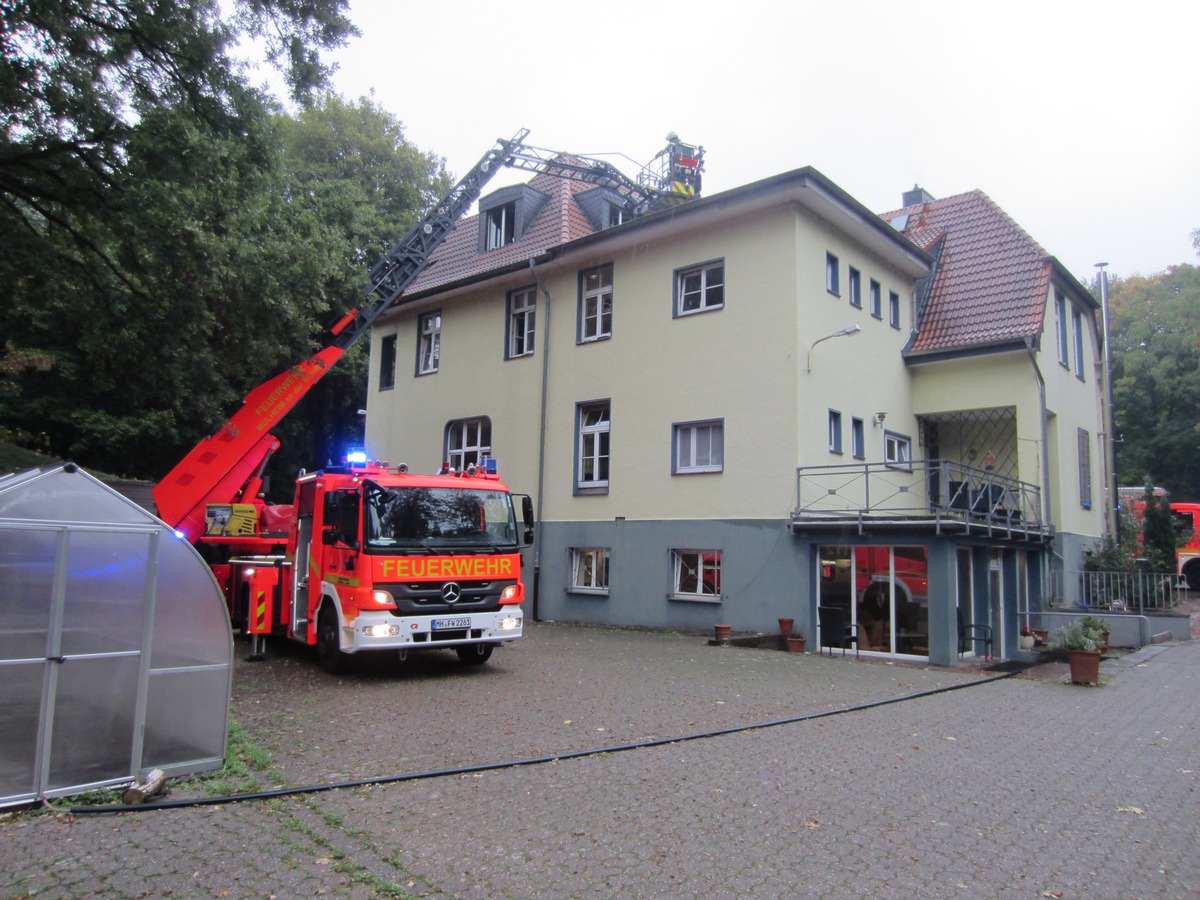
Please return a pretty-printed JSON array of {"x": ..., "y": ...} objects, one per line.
[{"x": 935, "y": 495}]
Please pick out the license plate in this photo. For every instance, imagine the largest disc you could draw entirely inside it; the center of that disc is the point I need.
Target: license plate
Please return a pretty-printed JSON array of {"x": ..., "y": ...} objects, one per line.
[{"x": 443, "y": 624}]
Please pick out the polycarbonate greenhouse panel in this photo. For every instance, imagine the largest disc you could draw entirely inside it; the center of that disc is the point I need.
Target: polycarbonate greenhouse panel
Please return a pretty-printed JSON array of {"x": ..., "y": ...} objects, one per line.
[{"x": 115, "y": 650}]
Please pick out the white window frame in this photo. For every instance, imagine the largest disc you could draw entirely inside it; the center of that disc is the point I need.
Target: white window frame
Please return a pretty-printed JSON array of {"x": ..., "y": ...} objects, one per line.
[
  {"x": 708, "y": 288},
  {"x": 468, "y": 442},
  {"x": 688, "y": 568},
  {"x": 522, "y": 317},
  {"x": 1060, "y": 329},
  {"x": 1077, "y": 327},
  {"x": 835, "y": 431},
  {"x": 501, "y": 225},
  {"x": 832, "y": 275},
  {"x": 429, "y": 343},
  {"x": 594, "y": 440},
  {"x": 897, "y": 450},
  {"x": 699, "y": 440},
  {"x": 595, "y": 304},
  {"x": 858, "y": 438},
  {"x": 589, "y": 570},
  {"x": 854, "y": 277},
  {"x": 876, "y": 290}
]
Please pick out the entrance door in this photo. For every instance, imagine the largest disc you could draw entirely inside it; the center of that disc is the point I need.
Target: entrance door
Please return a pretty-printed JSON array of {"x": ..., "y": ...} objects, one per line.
[
  {"x": 995, "y": 610},
  {"x": 75, "y": 604}
]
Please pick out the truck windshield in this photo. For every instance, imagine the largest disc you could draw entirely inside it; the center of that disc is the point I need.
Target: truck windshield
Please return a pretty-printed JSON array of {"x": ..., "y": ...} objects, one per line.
[{"x": 430, "y": 518}]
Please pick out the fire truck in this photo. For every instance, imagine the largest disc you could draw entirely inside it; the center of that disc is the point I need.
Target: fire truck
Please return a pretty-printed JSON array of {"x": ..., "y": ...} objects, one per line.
[{"x": 370, "y": 556}]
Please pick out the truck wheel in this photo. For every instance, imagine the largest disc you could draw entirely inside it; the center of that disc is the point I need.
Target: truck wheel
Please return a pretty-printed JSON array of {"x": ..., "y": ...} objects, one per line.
[
  {"x": 329, "y": 653},
  {"x": 474, "y": 654}
]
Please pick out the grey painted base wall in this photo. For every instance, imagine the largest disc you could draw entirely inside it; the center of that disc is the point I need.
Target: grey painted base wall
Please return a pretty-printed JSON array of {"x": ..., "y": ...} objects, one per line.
[{"x": 763, "y": 575}]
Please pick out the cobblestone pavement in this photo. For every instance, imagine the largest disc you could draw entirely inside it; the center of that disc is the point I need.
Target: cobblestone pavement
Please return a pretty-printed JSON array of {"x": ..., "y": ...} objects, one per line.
[{"x": 1011, "y": 788}]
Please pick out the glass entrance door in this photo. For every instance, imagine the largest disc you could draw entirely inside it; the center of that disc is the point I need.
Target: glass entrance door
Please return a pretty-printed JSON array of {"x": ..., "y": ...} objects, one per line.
[{"x": 885, "y": 593}]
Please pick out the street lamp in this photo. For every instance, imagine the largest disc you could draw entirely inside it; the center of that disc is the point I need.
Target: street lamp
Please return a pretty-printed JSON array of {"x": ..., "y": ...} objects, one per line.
[{"x": 841, "y": 332}]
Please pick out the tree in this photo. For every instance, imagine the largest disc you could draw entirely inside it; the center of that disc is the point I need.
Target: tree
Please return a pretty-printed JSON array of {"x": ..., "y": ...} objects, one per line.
[
  {"x": 1158, "y": 532},
  {"x": 1156, "y": 379}
]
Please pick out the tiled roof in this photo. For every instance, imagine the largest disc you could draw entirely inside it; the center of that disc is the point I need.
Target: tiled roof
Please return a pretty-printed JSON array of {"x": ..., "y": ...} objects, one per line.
[
  {"x": 991, "y": 279},
  {"x": 559, "y": 221}
]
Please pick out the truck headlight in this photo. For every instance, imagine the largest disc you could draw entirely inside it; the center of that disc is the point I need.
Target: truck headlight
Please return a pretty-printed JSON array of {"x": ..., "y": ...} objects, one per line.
[
  {"x": 508, "y": 623},
  {"x": 383, "y": 598},
  {"x": 382, "y": 630},
  {"x": 511, "y": 594}
]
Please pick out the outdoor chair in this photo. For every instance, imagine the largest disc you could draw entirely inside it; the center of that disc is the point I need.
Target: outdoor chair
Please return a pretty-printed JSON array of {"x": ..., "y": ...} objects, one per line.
[
  {"x": 970, "y": 635},
  {"x": 834, "y": 630}
]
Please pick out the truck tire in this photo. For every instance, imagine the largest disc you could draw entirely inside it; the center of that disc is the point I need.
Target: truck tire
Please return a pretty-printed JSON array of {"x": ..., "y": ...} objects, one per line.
[
  {"x": 329, "y": 652},
  {"x": 474, "y": 654}
]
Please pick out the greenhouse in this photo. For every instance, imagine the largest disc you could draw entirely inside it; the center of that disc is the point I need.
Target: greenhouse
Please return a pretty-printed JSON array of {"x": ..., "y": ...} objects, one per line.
[{"x": 115, "y": 649}]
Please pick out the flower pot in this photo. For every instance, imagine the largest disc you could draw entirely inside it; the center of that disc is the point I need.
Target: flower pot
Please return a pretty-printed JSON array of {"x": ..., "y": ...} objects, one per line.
[
  {"x": 1026, "y": 641},
  {"x": 722, "y": 631},
  {"x": 1085, "y": 666},
  {"x": 785, "y": 626},
  {"x": 795, "y": 643}
]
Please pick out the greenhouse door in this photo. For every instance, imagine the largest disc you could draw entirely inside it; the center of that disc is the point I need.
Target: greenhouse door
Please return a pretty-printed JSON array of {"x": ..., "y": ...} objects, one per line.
[{"x": 82, "y": 603}]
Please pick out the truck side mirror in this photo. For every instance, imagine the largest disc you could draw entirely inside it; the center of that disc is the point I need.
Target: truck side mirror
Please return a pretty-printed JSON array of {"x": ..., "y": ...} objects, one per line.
[{"x": 527, "y": 514}]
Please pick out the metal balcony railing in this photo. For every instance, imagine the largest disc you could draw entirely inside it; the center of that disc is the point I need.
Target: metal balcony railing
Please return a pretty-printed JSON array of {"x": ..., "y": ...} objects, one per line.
[
  {"x": 1139, "y": 592},
  {"x": 934, "y": 492}
]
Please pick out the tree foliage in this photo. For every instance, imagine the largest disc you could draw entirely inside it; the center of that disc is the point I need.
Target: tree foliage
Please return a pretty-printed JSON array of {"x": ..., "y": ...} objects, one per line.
[
  {"x": 170, "y": 237},
  {"x": 1155, "y": 325}
]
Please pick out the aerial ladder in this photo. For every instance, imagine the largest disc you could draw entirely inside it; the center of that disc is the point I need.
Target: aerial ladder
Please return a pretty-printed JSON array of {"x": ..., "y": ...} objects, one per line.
[{"x": 228, "y": 466}]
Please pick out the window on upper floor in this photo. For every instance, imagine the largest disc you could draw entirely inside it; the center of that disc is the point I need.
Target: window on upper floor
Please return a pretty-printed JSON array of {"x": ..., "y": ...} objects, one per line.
[
  {"x": 700, "y": 288},
  {"x": 589, "y": 570},
  {"x": 854, "y": 277},
  {"x": 595, "y": 304},
  {"x": 1077, "y": 329},
  {"x": 832, "y": 277},
  {"x": 468, "y": 442},
  {"x": 897, "y": 450},
  {"x": 591, "y": 464},
  {"x": 501, "y": 225},
  {"x": 429, "y": 343},
  {"x": 858, "y": 439},
  {"x": 835, "y": 431},
  {"x": 1060, "y": 330},
  {"x": 699, "y": 447},
  {"x": 1085, "y": 468},
  {"x": 894, "y": 309},
  {"x": 387, "y": 362},
  {"x": 876, "y": 299},
  {"x": 522, "y": 306},
  {"x": 696, "y": 575}
]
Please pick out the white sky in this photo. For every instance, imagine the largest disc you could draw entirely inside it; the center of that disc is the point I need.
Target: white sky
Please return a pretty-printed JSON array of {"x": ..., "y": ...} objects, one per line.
[{"x": 1080, "y": 119}]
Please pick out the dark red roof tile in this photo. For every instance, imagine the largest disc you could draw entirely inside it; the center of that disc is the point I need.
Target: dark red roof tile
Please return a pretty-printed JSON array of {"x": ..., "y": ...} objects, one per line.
[{"x": 991, "y": 279}]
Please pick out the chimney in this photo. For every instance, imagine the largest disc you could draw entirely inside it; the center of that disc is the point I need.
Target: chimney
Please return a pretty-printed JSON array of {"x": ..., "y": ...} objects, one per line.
[{"x": 915, "y": 197}]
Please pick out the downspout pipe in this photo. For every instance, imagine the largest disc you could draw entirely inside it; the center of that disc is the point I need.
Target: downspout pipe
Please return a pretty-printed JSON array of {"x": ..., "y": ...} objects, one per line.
[
  {"x": 541, "y": 475},
  {"x": 1037, "y": 373}
]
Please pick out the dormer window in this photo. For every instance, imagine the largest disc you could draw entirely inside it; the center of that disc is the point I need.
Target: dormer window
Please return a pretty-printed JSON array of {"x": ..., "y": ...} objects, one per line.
[
  {"x": 507, "y": 214},
  {"x": 501, "y": 225}
]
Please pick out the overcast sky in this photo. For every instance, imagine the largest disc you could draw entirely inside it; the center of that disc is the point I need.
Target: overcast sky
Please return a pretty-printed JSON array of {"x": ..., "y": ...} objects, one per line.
[{"x": 1080, "y": 119}]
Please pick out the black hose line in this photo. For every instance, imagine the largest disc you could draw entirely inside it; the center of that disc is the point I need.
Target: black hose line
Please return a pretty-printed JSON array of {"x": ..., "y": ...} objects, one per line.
[{"x": 520, "y": 763}]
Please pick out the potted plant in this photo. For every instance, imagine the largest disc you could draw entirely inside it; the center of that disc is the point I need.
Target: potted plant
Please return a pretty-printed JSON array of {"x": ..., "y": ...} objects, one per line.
[
  {"x": 1099, "y": 626},
  {"x": 1027, "y": 638},
  {"x": 1083, "y": 655}
]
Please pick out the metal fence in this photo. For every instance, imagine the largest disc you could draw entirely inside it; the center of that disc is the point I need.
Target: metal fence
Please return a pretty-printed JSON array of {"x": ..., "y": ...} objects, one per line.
[{"x": 1117, "y": 591}]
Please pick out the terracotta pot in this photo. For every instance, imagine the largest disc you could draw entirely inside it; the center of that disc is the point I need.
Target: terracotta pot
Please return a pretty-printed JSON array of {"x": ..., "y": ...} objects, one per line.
[
  {"x": 795, "y": 643},
  {"x": 722, "y": 631},
  {"x": 785, "y": 626},
  {"x": 1085, "y": 666}
]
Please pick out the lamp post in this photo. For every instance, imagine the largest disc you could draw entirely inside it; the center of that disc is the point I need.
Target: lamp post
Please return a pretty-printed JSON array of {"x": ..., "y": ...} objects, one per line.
[
  {"x": 1110, "y": 446},
  {"x": 841, "y": 332}
]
